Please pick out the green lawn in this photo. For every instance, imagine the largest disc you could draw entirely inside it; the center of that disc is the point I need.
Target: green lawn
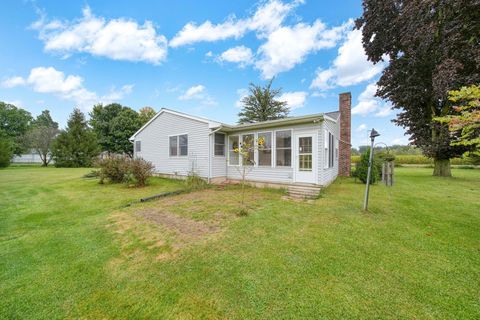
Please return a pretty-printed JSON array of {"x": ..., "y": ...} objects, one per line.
[{"x": 71, "y": 248}]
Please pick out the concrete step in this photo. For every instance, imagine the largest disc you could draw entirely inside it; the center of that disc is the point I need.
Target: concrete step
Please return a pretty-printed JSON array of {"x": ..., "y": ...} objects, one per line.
[{"x": 303, "y": 191}]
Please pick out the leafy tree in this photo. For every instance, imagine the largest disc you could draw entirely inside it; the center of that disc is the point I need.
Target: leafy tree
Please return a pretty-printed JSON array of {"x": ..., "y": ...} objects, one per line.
[
  {"x": 113, "y": 125},
  {"x": 77, "y": 146},
  {"x": 466, "y": 120},
  {"x": 432, "y": 47},
  {"x": 6, "y": 150},
  {"x": 41, "y": 136},
  {"x": 14, "y": 123},
  {"x": 145, "y": 114},
  {"x": 261, "y": 104},
  {"x": 122, "y": 127}
]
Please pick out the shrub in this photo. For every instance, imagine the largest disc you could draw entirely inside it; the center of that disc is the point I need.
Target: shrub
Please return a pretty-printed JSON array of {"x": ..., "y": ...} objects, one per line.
[
  {"x": 6, "y": 151},
  {"x": 361, "y": 171},
  {"x": 113, "y": 168},
  {"x": 139, "y": 171},
  {"x": 118, "y": 169}
]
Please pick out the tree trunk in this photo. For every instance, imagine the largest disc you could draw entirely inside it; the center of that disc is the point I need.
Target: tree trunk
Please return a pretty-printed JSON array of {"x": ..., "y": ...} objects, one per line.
[{"x": 442, "y": 168}]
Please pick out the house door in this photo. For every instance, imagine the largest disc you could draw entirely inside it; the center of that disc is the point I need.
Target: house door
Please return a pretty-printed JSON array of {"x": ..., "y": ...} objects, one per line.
[{"x": 305, "y": 158}]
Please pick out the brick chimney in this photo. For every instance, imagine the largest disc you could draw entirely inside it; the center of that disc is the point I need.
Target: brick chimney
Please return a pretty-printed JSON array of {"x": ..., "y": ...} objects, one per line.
[{"x": 345, "y": 108}]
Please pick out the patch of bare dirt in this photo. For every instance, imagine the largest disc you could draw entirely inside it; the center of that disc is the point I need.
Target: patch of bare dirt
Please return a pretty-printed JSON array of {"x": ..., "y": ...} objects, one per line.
[{"x": 180, "y": 225}]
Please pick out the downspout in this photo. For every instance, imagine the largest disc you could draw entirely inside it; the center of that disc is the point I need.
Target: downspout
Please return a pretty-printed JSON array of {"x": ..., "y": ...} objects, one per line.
[{"x": 210, "y": 153}]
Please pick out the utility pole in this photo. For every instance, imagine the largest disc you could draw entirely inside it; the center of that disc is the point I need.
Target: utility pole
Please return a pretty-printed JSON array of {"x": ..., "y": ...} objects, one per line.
[{"x": 373, "y": 134}]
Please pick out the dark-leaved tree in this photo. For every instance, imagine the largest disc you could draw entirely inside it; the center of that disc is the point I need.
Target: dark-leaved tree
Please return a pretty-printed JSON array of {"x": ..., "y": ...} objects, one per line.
[
  {"x": 77, "y": 146},
  {"x": 261, "y": 105},
  {"x": 432, "y": 47},
  {"x": 113, "y": 125}
]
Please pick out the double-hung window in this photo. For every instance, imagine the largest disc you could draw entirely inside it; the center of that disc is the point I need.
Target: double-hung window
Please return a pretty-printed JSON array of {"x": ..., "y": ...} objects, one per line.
[
  {"x": 219, "y": 144},
  {"x": 283, "y": 145},
  {"x": 233, "y": 155},
  {"x": 178, "y": 145},
  {"x": 265, "y": 149},
  {"x": 248, "y": 147}
]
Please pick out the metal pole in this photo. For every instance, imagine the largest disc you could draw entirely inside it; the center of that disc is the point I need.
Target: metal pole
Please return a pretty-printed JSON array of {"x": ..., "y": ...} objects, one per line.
[{"x": 370, "y": 162}]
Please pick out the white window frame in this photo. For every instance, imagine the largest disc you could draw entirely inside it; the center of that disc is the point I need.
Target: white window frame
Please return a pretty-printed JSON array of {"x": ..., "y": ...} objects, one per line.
[
  {"x": 291, "y": 149},
  {"x": 135, "y": 146},
  {"x": 272, "y": 149},
  {"x": 178, "y": 145},
  {"x": 225, "y": 145},
  {"x": 229, "y": 149},
  {"x": 329, "y": 150}
]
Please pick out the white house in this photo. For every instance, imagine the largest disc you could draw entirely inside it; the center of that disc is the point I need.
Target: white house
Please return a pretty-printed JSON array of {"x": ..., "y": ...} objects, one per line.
[{"x": 307, "y": 150}]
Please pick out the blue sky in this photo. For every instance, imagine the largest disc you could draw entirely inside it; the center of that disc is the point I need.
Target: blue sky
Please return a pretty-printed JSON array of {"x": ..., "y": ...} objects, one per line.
[{"x": 193, "y": 56}]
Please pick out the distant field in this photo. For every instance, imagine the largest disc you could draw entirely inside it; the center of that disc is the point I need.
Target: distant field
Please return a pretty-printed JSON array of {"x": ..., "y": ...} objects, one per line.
[
  {"x": 71, "y": 248},
  {"x": 418, "y": 159}
]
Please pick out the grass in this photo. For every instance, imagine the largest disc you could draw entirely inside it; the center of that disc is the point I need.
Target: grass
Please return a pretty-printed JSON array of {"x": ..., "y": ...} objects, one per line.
[{"x": 71, "y": 248}]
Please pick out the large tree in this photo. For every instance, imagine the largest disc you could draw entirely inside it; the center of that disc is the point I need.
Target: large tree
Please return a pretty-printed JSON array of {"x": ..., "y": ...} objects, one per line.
[
  {"x": 77, "y": 146},
  {"x": 261, "y": 104},
  {"x": 432, "y": 47},
  {"x": 114, "y": 124},
  {"x": 41, "y": 136},
  {"x": 145, "y": 114},
  {"x": 14, "y": 123}
]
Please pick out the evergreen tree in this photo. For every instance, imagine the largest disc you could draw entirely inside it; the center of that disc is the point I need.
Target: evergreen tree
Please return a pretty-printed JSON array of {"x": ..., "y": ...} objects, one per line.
[
  {"x": 261, "y": 105},
  {"x": 77, "y": 146},
  {"x": 432, "y": 48}
]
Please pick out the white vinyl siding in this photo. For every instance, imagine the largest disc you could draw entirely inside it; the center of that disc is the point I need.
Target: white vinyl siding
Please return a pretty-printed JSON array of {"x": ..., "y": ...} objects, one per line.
[
  {"x": 326, "y": 173},
  {"x": 155, "y": 145}
]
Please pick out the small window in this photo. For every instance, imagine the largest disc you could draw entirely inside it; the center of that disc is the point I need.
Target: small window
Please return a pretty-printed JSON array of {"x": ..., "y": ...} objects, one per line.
[
  {"x": 138, "y": 146},
  {"x": 265, "y": 150},
  {"x": 283, "y": 148},
  {"x": 233, "y": 156},
  {"x": 219, "y": 144},
  {"x": 329, "y": 146},
  {"x": 248, "y": 141},
  {"x": 178, "y": 145}
]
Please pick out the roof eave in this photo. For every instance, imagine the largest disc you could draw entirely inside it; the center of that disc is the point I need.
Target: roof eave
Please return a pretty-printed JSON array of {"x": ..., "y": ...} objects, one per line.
[{"x": 282, "y": 123}]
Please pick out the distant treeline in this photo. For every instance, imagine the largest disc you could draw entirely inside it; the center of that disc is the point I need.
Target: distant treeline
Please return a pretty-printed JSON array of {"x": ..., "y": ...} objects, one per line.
[{"x": 419, "y": 159}]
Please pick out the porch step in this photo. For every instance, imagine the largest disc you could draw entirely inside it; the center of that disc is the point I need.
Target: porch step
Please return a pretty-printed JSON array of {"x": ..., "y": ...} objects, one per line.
[{"x": 304, "y": 191}]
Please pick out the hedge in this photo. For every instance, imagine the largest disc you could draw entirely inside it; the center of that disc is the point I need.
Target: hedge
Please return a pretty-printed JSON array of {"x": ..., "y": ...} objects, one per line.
[{"x": 418, "y": 159}]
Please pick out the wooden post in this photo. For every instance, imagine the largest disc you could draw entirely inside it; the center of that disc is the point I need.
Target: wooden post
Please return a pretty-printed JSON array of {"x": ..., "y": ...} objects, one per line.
[{"x": 387, "y": 173}]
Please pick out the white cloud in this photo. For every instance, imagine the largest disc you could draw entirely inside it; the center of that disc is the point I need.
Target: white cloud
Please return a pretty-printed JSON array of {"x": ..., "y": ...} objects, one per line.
[
  {"x": 198, "y": 92},
  {"x": 50, "y": 80},
  {"x": 294, "y": 100},
  {"x": 288, "y": 46},
  {"x": 117, "y": 39},
  {"x": 240, "y": 54},
  {"x": 349, "y": 67},
  {"x": 368, "y": 103},
  {"x": 13, "y": 82},
  {"x": 361, "y": 127},
  {"x": 242, "y": 93},
  {"x": 268, "y": 17}
]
